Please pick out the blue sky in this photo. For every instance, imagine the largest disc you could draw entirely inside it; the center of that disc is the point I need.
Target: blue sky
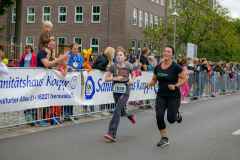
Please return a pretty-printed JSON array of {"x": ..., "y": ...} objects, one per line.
[{"x": 233, "y": 6}]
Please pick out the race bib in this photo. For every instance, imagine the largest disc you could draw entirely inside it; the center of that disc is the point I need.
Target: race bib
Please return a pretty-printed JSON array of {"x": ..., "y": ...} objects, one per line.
[{"x": 119, "y": 88}]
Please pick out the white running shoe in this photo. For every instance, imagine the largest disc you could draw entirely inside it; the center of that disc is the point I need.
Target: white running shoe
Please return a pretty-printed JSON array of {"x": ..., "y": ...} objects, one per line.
[{"x": 184, "y": 101}]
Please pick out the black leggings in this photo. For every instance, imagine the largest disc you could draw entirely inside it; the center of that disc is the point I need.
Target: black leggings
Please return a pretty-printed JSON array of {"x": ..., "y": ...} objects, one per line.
[{"x": 172, "y": 105}]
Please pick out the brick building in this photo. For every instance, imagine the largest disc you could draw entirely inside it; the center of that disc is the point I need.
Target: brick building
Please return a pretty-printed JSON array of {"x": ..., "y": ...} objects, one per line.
[{"x": 90, "y": 23}]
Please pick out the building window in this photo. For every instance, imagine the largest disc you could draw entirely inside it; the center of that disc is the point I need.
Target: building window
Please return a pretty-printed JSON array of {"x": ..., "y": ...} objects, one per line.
[
  {"x": 78, "y": 14},
  {"x": 139, "y": 47},
  {"x": 31, "y": 15},
  {"x": 146, "y": 19},
  {"x": 61, "y": 40},
  {"x": 154, "y": 49},
  {"x": 162, "y": 2},
  {"x": 46, "y": 13},
  {"x": 157, "y": 1},
  {"x": 150, "y": 48},
  {"x": 94, "y": 44},
  {"x": 96, "y": 14},
  {"x": 14, "y": 15},
  {"x": 152, "y": 0},
  {"x": 133, "y": 46},
  {"x": 140, "y": 18},
  {"x": 78, "y": 40},
  {"x": 12, "y": 43},
  {"x": 156, "y": 21},
  {"x": 30, "y": 40},
  {"x": 151, "y": 20},
  {"x": 145, "y": 44},
  {"x": 62, "y": 14},
  {"x": 134, "y": 16}
]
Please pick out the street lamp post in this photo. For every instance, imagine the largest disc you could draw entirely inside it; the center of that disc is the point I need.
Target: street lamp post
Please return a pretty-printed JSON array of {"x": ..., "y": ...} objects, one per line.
[{"x": 175, "y": 14}]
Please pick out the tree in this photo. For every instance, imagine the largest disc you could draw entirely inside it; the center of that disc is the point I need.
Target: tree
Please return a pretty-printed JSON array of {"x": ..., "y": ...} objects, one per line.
[
  {"x": 237, "y": 24},
  {"x": 213, "y": 30},
  {"x": 4, "y": 4}
]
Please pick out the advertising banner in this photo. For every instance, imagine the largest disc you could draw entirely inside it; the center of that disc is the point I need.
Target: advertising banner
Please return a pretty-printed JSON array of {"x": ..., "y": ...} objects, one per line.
[
  {"x": 35, "y": 88},
  {"x": 97, "y": 91}
]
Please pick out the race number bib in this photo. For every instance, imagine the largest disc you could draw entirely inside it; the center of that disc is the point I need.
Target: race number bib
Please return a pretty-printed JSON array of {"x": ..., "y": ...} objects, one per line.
[{"x": 119, "y": 88}]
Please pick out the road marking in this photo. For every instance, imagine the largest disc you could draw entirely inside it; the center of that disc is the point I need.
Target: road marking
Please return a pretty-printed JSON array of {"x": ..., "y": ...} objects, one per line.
[{"x": 237, "y": 132}]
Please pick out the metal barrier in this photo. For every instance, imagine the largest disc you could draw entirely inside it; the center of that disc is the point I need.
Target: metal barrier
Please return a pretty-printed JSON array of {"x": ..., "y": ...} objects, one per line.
[{"x": 201, "y": 85}]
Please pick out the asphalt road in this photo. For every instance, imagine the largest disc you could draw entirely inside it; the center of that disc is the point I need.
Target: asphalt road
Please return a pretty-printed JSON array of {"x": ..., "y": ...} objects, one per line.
[{"x": 204, "y": 134}]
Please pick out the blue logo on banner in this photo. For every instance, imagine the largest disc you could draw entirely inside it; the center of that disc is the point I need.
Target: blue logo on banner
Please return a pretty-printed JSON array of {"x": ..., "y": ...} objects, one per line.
[
  {"x": 89, "y": 88},
  {"x": 73, "y": 82}
]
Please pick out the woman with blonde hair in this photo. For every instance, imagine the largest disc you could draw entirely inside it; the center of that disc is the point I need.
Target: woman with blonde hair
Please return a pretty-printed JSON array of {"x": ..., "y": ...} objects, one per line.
[{"x": 105, "y": 60}]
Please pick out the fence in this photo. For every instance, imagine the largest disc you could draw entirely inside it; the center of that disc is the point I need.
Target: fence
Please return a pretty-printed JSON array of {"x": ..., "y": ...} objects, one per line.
[
  {"x": 15, "y": 51},
  {"x": 201, "y": 85}
]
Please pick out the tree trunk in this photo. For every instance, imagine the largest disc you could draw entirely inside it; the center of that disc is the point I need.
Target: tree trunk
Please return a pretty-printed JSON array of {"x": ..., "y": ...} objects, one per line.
[
  {"x": 165, "y": 25},
  {"x": 19, "y": 21}
]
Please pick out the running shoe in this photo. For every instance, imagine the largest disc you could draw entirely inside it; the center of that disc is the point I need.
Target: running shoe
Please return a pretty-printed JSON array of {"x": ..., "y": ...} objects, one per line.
[
  {"x": 179, "y": 118},
  {"x": 184, "y": 101},
  {"x": 133, "y": 120},
  {"x": 110, "y": 137},
  {"x": 163, "y": 142}
]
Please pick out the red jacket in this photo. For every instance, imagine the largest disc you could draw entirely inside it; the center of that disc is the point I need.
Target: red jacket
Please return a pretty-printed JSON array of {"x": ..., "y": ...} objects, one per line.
[{"x": 33, "y": 61}]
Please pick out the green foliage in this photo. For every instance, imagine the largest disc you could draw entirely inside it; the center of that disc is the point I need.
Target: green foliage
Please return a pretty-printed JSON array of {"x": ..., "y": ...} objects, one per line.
[
  {"x": 4, "y": 4},
  {"x": 213, "y": 30},
  {"x": 237, "y": 25}
]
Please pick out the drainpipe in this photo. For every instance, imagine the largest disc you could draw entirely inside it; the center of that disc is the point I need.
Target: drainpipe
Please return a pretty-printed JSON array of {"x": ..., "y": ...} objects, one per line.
[
  {"x": 10, "y": 30},
  {"x": 10, "y": 26},
  {"x": 107, "y": 25}
]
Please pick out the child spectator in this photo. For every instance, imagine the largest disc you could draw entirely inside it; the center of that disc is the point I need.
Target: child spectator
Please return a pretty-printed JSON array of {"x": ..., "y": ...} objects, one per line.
[
  {"x": 3, "y": 67},
  {"x": 28, "y": 59},
  {"x": 75, "y": 60},
  {"x": 64, "y": 68},
  {"x": 138, "y": 70},
  {"x": 45, "y": 38},
  {"x": 138, "y": 73}
]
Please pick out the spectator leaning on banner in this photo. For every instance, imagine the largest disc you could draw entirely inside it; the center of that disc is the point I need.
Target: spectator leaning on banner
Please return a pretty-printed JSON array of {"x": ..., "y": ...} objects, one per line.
[
  {"x": 105, "y": 60},
  {"x": 28, "y": 59},
  {"x": 75, "y": 60},
  {"x": 43, "y": 61}
]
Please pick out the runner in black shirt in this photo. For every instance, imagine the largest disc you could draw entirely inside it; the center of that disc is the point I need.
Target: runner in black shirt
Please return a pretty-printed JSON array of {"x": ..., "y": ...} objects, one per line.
[{"x": 168, "y": 95}]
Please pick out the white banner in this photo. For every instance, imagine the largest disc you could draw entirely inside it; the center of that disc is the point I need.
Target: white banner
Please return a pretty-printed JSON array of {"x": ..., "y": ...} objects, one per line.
[
  {"x": 97, "y": 91},
  {"x": 35, "y": 88}
]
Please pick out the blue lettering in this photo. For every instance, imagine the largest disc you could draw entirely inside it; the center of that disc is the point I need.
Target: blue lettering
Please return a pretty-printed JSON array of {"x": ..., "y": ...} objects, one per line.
[{"x": 99, "y": 85}]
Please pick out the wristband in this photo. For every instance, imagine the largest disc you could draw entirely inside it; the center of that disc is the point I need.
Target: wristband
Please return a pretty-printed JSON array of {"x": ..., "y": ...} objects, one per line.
[{"x": 176, "y": 87}]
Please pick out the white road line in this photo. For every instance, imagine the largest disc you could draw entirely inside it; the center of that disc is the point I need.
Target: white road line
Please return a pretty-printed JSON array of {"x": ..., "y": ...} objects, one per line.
[{"x": 237, "y": 132}]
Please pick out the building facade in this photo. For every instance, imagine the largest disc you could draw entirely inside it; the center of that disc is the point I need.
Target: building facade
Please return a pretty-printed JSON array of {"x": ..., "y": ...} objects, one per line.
[{"x": 96, "y": 23}]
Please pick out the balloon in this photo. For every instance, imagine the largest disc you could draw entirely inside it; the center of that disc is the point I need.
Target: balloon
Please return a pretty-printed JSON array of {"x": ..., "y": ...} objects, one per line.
[{"x": 5, "y": 61}]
